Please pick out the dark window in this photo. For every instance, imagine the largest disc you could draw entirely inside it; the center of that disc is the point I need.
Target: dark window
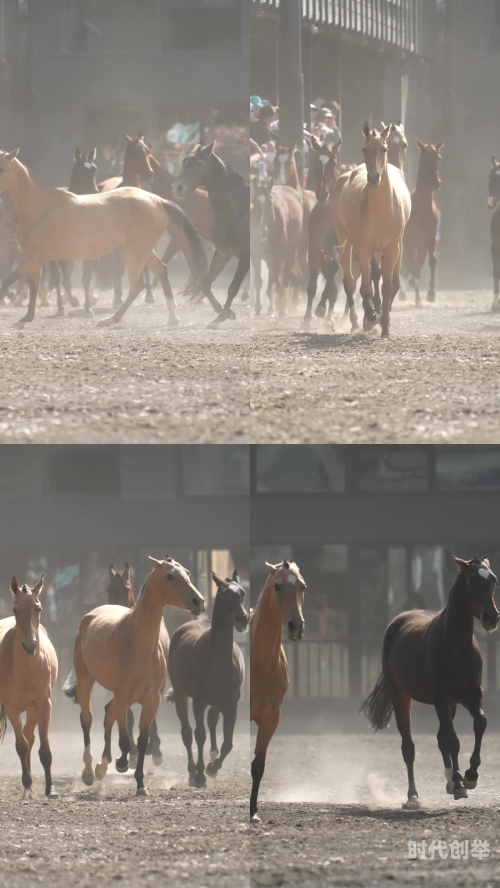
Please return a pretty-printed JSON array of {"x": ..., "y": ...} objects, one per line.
[
  {"x": 292, "y": 468},
  {"x": 462, "y": 466},
  {"x": 393, "y": 468},
  {"x": 216, "y": 468},
  {"x": 85, "y": 471},
  {"x": 207, "y": 25}
]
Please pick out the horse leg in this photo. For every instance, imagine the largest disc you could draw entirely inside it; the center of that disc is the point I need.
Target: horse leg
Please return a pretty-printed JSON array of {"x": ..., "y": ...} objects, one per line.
[
  {"x": 181, "y": 705},
  {"x": 121, "y": 709},
  {"x": 229, "y": 720},
  {"x": 212, "y": 719},
  {"x": 155, "y": 264},
  {"x": 329, "y": 295},
  {"x": 109, "y": 720},
  {"x": 86, "y": 281},
  {"x": 22, "y": 749},
  {"x": 134, "y": 266},
  {"x": 495, "y": 255},
  {"x": 34, "y": 283},
  {"x": 376, "y": 275},
  {"x": 29, "y": 731},
  {"x": 130, "y": 729},
  {"x": 154, "y": 745},
  {"x": 449, "y": 745},
  {"x": 389, "y": 260},
  {"x": 448, "y": 764},
  {"x": 349, "y": 284},
  {"x": 217, "y": 264},
  {"x": 431, "y": 292},
  {"x": 84, "y": 685},
  {"x": 312, "y": 285},
  {"x": 366, "y": 291},
  {"x": 66, "y": 269},
  {"x": 8, "y": 281},
  {"x": 264, "y": 736},
  {"x": 421, "y": 253},
  {"x": 257, "y": 282},
  {"x": 402, "y": 713},
  {"x": 200, "y": 735},
  {"x": 239, "y": 276},
  {"x": 479, "y": 721},
  {"x": 44, "y": 713},
  {"x": 149, "y": 709},
  {"x": 150, "y": 297}
]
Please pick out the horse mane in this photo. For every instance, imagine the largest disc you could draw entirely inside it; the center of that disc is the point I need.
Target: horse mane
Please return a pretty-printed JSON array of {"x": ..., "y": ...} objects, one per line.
[{"x": 145, "y": 583}]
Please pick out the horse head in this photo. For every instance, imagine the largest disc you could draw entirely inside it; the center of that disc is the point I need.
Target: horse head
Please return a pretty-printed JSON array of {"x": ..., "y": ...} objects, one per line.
[
  {"x": 195, "y": 168},
  {"x": 284, "y": 164},
  {"x": 480, "y": 582},
  {"x": 119, "y": 587},
  {"x": 396, "y": 144},
  {"x": 428, "y": 168},
  {"x": 325, "y": 167},
  {"x": 136, "y": 158},
  {"x": 289, "y": 588},
  {"x": 83, "y": 173},
  {"x": 172, "y": 585},
  {"x": 375, "y": 152},
  {"x": 27, "y": 610},
  {"x": 230, "y": 601}
]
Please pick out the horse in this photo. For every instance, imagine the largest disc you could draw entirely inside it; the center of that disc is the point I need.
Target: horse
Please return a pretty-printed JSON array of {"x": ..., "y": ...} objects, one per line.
[
  {"x": 55, "y": 224},
  {"x": 434, "y": 658},
  {"x": 421, "y": 231},
  {"x": 371, "y": 208},
  {"x": 278, "y": 214},
  {"x": 125, "y": 650},
  {"x": 28, "y": 670},
  {"x": 120, "y": 592},
  {"x": 286, "y": 173},
  {"x": 207, "y": 665},
  {"x": 196, "y": 204},
  {"x": 322, "y": 240},
  {"x": 493, "y": 203},
  {"x": 229, "y": 197},
  {"x": 280, "y": 604}
]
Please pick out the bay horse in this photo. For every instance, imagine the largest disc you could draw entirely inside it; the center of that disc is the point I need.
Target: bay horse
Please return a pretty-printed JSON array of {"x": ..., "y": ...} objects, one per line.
[
  {"x": 125, "y": 650},
  {"x": 207, "y": 665},
  {"x": 28, "y": 670},
  {"x": 280, "y": 604},
  {"x": 286, "y": 173},
  {"x": 493, "y": 203},
  {"x": 371, "y": 208},
  {"x": 421, "y": 231},
  {"x": 278, "y": 214},
  {"x": 120, "y": 592},
  {"x": 322, "y": 251},
  {"x": 56, "y": 224},
  {"x": 434, "y": 658},
  {"x": 229, "y": 195}
]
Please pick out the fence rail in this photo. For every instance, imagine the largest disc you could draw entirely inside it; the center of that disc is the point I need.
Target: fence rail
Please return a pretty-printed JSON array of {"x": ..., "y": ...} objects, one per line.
[{"x": 392, "y": 22}]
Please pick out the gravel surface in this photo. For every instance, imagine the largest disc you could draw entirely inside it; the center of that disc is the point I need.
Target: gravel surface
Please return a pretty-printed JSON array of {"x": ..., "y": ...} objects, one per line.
[
  {"x": 104, "y": 835},
  {"x": 435, "y": 380},
  {"x": 65, "y": 381},
  {"x": 331, "y": 809}
]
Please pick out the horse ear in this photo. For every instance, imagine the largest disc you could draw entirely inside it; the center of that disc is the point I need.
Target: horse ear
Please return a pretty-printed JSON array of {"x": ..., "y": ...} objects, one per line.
[
  {"x": 315, "y": 143},
  {"x": 216, "y": 580},
  {"x": 486, "y": 560},
  {"x": 78, "y": 154},
  {"x": 421, "y": 145},
  {"x": 236, "y": 576},
  {"x": 14, "y": 586},
  {"x": 93, "y": 154},
  {"x": 385, "y": 132},
  {"x": 111, "y": 571},
  {"x": 286, "y": 563},
  {"x": 439, "y": 145},
  {"x": 366, "y": 130},
  {"x": 210, "y": 148},
  {"x": 271, "y": 567},
  {"x": 129, "y": 138},
  {"x": 38, "y": 588},
  {"x": 155, "y": 561},
  {"x": 12, "y": 154},
  {"x": 461, "y": 562}
]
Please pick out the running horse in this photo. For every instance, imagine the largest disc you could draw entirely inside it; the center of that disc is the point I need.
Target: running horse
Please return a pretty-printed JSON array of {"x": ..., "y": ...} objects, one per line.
[
  {"x": 421, "y": 232},
  {"x": 125, "y": 650},
  {"x": 286, "y": 173},
  {"x": 493, "y": 203},
  {"x": 229, "y": 196},
  {"x": 58, "y": 225},
  {"x": 371, "y": 208},
  {"x": 280, "y": 604},
  {"x": 207, "y": 665},
  {"x": 28, "y": 670},
  {"x": 434, "y": 658}
]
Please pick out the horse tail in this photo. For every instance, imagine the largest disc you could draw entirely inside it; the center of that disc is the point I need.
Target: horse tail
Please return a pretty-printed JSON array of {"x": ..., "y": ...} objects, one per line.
[
  {"x": 378, "y": 705},
  {"x": 169, "y": 696},
  {"x": 3, "y": 722},
  {"x": 195, "y": 254},
  {"x": 70, "y": 685}
]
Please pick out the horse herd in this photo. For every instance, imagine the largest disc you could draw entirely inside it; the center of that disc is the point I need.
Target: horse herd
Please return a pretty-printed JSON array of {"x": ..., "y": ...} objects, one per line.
[
  {"x": 124, "y": 646},
  {"x": 46, "y": 229}
]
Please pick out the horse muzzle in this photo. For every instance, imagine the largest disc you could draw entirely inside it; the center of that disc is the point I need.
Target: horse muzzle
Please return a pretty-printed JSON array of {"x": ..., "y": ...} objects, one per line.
[
  {"x": 197, "y": 607},
  {"x": 241, "y": 623},
  {"x": 295, "y": 630},
  {"x": 489, "y": 621},
  {"x": 373, "y": 180},
  {"x": 29, "y": 650},
  {"x": 179, "y": 190}
]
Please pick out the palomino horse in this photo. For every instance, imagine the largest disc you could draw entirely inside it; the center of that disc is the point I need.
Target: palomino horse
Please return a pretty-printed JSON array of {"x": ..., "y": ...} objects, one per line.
[
  {"x": 322, "y": 239},
  {"x": 435, "y": 659},
  {"x": 421, "y": 231},
  {"x": 28, "y": 670},
  {"x": 230, "y": 201},
  {"x": 493, "y": 203},
  {"x": 371, "y": 208},
  {"x": 280, "y": 604},
  {"x": 120, "y": 592},
  {"x": 396, "y": 154},
  {"x": 55, "y": 224},
  {"x": 125, "y": 651},
  {"x": 207, "y": 665}
]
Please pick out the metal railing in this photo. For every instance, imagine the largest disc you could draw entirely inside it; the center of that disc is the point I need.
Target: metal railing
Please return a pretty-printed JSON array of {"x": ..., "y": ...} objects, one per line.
[{"x": 392, "y": 22}]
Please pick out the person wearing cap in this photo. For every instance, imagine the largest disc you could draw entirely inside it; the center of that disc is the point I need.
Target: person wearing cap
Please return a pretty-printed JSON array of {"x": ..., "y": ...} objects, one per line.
[{"x": 259, "y": 130}]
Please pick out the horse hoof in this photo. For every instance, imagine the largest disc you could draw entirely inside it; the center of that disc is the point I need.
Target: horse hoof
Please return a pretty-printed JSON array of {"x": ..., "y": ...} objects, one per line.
[
  {"x": 173, "y": 321},
  {"x": 386, "y": 334},
  {"x": 106, "y": 322},
  {"x": 306, "y": 324},
  {"x": 157, "y": 759},
  {"x": 431, "y": 297},
  {"x": 142, "y": 791},
  {"x": 150, "y": 299},
  {"x": 100, "y": 770},
  {"x": 200, "y": 781},
  {"x": 192, "y": 780},
  {"x": 52, "y": 794},
  {"x": 214, "y": 754},
  {"x": 255, "y": 818},
  {"x": 122, "y": 769},
  {"x": 27, "y": 795},
  {"x": 73, "y": 301},
  {"x": 212, "y": 769},
  {"x": 450, "y": 788},
  {"x": 470, "y": 784},
  {"x": 460, "y": 793},
  {"x": 88, "y": 776},
  {"x": 320, "y": 311},
  {"x": 412, "y": 804}
]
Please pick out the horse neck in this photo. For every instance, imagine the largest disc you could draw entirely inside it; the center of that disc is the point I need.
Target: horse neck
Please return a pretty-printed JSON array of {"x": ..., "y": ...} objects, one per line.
[
  {"x": 394, "y": 156},
  {"x": 147, "y": 615},
  {"x": 267, "y": 625},
  {"x": 423, "y": 178},
  {"x": 221, "y": 632},
  {"x": 216, "y": 181},
  {"x": 29, "y": 196},
  {"x": 292, "y": 178},
  {"x": 458, "y": 616},
  {"x": 130, "y": 176},
  {"x": 76, "y": 188},
  {"x": 22, "y": 663}
]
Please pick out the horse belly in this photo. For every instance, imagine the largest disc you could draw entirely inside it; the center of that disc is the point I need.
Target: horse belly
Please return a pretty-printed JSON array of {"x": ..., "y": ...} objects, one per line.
[{"x": 87, "y": 236}]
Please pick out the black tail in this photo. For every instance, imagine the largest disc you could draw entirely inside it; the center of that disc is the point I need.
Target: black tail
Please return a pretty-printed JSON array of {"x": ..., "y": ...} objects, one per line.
[
  {"x": 378, "y": 705},
  {"x": 3, "y": 722},
  {"x": 69, "y": 686},
  {"x": 195, "y": 255}
]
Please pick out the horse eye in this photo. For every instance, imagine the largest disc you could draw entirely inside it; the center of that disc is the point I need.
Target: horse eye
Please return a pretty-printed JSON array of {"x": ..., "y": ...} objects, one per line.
[
  {"x": 303, "y": 587},
  {"x": 170, "y": 576},
  {"x": 277, "y": 587}
]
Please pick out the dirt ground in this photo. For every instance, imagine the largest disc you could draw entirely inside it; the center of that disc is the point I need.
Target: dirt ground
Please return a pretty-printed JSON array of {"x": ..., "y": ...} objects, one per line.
[
  {"x": 104, "y": 835},
  {"x": 65, "y": 381},
  {"x": 435, "y": 380},
  {"x": 331, "y": 809}
]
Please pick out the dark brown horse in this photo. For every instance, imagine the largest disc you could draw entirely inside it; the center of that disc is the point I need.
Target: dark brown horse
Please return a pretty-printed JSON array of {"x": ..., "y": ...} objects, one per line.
[
  {"x": 207, "y": 665},
  {"x": 435, "y": 659},
  {"x": 229, "y": 195},
  {"x": 493, "y": 203},
  {"x": 420, "y": 236},
  {"x": 196, "y": 204},
  {"x": 120, "y": 592}
]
